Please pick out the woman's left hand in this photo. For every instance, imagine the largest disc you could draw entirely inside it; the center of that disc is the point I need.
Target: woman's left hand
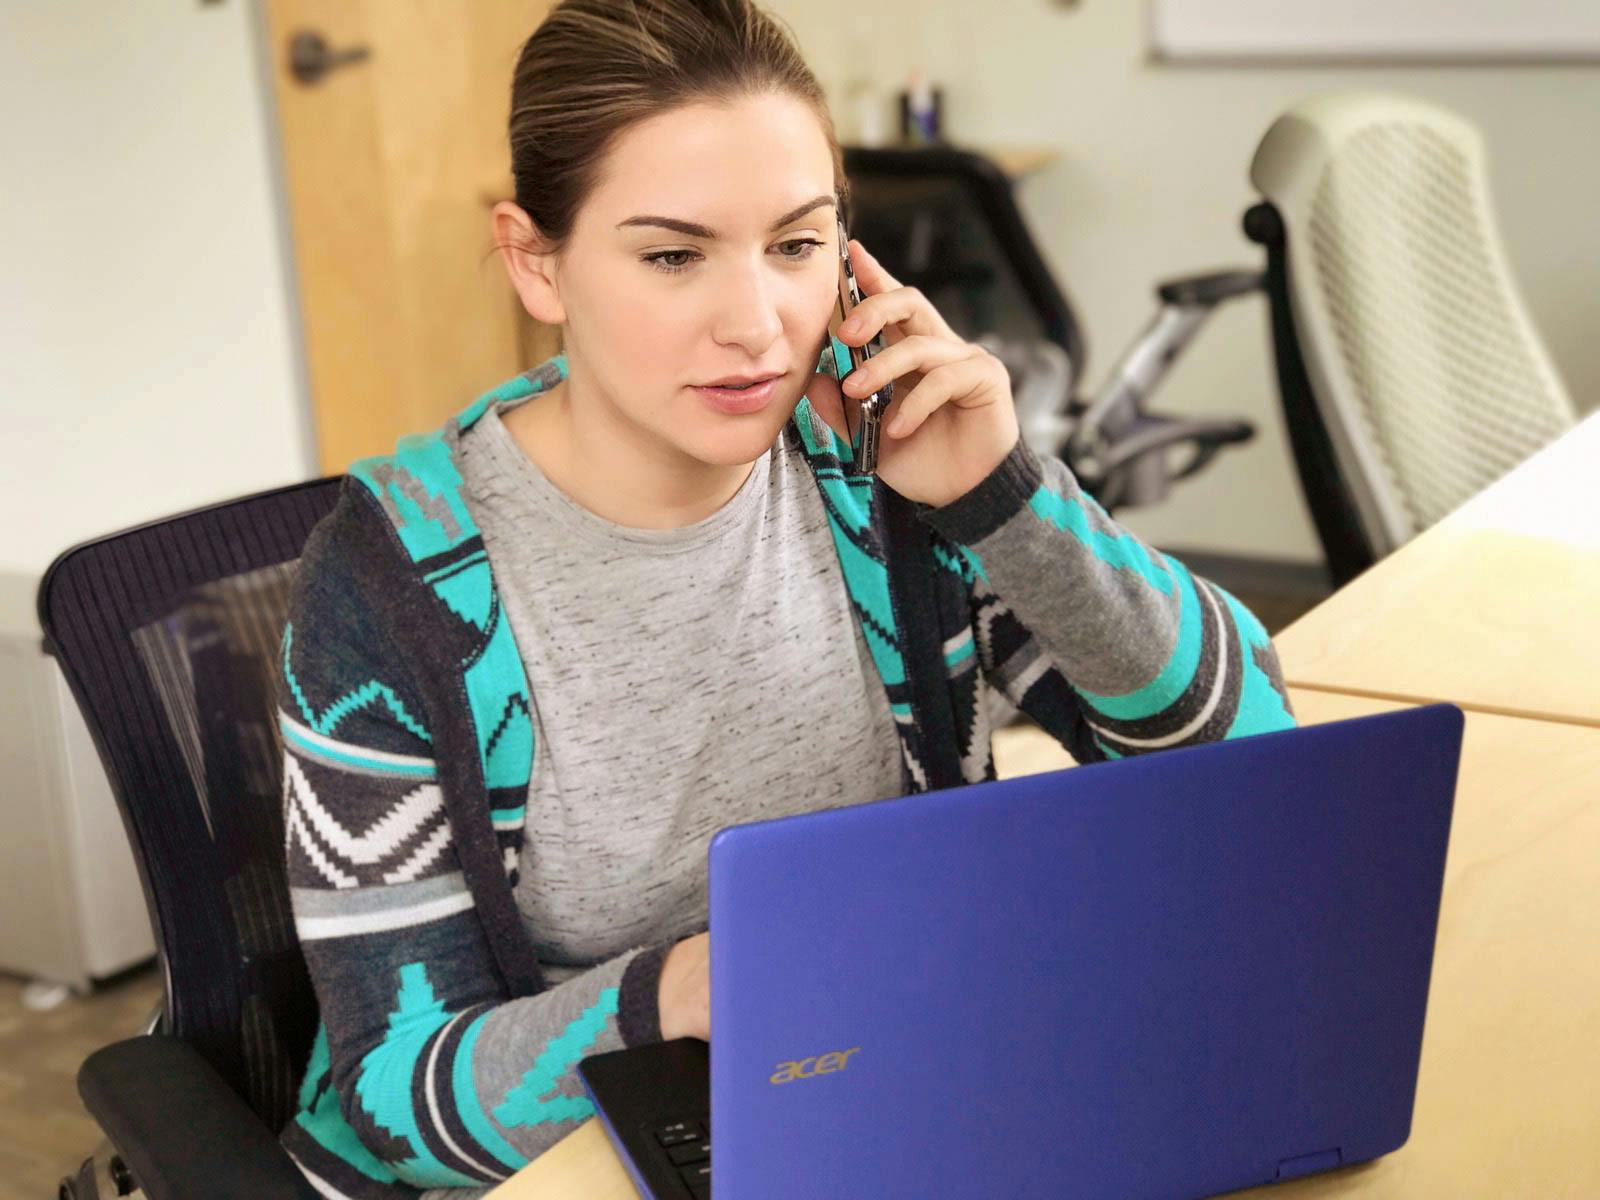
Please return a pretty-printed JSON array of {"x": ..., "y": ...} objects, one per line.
[{"x": 952, "y": 420}]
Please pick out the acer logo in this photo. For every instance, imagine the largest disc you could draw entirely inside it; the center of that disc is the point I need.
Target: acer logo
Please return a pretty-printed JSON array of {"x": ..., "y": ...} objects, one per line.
[{"x": 807, "y": 1068}]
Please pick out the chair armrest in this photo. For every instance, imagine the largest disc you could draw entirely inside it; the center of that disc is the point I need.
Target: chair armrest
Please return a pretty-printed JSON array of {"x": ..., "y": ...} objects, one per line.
[
  {"x": 1123, "y": 473},
  {"x": 1211, "y": 288},
  {"x": 1157, "y": 432},
  {"x": 1186, "y": 305},
  {"x": 181, "y": 1130}
]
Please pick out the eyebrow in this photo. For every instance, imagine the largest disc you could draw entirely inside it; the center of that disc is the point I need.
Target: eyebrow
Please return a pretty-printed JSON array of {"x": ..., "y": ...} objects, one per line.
[{"x": 690, "y": 229}]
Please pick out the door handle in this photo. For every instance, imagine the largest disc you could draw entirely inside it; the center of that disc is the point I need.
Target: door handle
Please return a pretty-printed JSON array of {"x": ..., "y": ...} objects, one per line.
[{"x": 310, "y": 57}]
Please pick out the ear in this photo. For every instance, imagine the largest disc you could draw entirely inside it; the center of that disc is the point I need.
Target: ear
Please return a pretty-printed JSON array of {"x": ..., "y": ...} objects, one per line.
[{"x": 531, "y": 268}]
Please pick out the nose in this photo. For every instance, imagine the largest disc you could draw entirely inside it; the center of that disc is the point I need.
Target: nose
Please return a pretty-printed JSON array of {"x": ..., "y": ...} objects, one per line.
[{"x": 747, "y": 311}]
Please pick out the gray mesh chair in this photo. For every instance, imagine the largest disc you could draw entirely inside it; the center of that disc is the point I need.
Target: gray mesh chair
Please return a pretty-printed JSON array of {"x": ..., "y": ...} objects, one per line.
[{"x": 1411, "y": 374}]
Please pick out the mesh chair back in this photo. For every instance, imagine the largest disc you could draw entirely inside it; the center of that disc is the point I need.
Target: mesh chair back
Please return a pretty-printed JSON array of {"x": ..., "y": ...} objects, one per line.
[
  {"x": 1425, "y": 366},
  {"x": 169, "y": 636},
  {"x": 945, "y": 221}
]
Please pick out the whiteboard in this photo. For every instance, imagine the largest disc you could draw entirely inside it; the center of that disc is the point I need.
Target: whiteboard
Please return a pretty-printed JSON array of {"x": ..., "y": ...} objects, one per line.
[{"x": 1473, "y": 30}]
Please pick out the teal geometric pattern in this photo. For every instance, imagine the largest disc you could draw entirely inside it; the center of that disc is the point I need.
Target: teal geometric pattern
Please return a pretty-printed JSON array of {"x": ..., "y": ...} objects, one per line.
[
  {"x": 355, "y": 757},
  {"x": 384, "y": 1084},
  {"x": 497, "y": 694},
  {"x": 320, "y": 1116},
  {"x": 526, "y": 1104},
  {"x": 1173, "y": 678},
  {"x": 848, "y": 498},
  {"x": 1261, "y": 703},
  {"x": 1123, "y": 551},
  {"x": 962, "y": 560},
  {"x": 424, "y": 488},
  {"x": 511, "y": 389},
  {"x": 467, "y": 588},
  {"x": 470, "y": 1105},
  {"x": 419, "y": 486},
  {"x": 352, "y": 701}
]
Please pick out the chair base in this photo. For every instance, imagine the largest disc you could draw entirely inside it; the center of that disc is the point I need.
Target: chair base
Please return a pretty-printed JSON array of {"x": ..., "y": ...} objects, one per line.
[{"x": 102, "y": 1176}]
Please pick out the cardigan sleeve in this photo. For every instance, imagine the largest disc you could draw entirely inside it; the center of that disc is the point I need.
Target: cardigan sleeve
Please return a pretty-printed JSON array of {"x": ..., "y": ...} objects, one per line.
[
  {"x": 1111, "y": 646},
  {"x": 424, "y": 1072}
]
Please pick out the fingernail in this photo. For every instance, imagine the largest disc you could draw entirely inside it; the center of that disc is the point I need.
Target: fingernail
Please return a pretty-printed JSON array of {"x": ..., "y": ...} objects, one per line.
[{"x": 850, "y": 326}]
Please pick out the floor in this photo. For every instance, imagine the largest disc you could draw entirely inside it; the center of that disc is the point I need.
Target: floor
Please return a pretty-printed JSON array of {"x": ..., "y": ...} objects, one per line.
[{"x": 44, "y": 1130}]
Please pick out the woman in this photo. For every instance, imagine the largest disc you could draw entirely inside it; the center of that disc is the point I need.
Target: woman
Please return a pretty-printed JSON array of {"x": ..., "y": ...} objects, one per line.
[{"x": 536, "y": 659}]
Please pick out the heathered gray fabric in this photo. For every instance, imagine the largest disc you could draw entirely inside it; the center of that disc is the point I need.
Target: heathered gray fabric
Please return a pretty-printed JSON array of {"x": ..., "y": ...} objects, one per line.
[{"x": 727, "y": 708}]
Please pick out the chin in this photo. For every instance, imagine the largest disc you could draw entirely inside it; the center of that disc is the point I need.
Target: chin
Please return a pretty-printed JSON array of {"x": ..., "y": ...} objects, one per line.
[
  {"x": 739, "y": 441},
  {"x": 727, "y": 441}
]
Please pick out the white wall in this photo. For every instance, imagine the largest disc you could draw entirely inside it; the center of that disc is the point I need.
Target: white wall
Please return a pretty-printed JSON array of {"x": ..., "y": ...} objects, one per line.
[
  {"x": 148, "y": 356},
  {"x": 1152, "y": 182}
]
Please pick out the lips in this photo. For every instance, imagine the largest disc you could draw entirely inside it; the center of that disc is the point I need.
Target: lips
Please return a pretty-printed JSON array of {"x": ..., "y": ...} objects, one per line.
[
  {"x": 736, "y": 382},
  {"x": 736, "y": 401}
]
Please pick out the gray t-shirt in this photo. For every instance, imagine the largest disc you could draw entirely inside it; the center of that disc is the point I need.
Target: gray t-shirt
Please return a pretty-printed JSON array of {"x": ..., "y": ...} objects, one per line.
[{"x": 683, "y": 680}]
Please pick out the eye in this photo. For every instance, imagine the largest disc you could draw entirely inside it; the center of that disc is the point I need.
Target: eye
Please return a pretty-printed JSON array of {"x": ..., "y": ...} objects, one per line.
[
  {"x": 666, "y": 262},
  {"x": 810, "y": 244},
  {"x": 658, "y": 261}
]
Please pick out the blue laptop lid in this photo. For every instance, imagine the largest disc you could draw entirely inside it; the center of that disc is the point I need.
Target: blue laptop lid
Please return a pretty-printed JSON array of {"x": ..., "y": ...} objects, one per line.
[{"x": 1168, "y": 975}]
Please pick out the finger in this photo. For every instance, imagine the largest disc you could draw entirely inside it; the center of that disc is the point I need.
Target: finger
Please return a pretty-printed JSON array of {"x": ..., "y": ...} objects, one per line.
[
  {"x": 870, "y": 273},
  {"x": 919, "y": 353},
  {"x": 904, "y": 307},
  {"x": 938, "y": 388}
]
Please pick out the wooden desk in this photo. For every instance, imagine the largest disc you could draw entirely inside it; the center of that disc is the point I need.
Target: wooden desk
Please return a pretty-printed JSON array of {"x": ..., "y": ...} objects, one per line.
[
  {"x": 1508, "y": 1099},
  {"x": 1496, "y": 608},
  {"x": 581, "y": 1166}
]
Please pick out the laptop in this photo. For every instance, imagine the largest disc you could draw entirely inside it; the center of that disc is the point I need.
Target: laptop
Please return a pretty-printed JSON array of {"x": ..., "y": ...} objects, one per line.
[{"x": 1163, "y": 976}]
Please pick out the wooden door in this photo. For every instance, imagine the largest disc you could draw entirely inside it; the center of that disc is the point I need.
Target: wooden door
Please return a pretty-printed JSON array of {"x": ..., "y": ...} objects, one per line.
[{"x": 392, "y": 163}]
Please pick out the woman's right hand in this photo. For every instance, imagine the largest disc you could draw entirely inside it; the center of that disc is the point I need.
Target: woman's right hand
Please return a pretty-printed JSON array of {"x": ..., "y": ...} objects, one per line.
[{"x": 684, "y": 995}]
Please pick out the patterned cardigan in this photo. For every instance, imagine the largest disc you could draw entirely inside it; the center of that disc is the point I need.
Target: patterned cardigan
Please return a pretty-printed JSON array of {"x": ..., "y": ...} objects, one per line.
[{"x": 408, "y": 748}]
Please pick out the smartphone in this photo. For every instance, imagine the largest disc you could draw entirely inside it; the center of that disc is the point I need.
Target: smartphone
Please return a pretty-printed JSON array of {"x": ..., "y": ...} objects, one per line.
[{"x": 864, "y": 430}]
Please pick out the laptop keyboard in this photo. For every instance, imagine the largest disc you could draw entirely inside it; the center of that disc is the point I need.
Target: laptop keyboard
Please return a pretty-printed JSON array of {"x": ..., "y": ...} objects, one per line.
[{"x": 688, "y": 1145}]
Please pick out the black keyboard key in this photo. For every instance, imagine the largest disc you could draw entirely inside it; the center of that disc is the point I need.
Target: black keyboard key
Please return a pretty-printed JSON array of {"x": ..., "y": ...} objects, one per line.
[
  {"x": 690, "y": 1152},
  {"x": 678, "y": 1132},
  {"x": 697, "y": 1174}
]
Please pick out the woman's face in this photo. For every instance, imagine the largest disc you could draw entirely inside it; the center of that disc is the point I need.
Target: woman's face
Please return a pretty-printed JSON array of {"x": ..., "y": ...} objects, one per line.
[{"x": 653, "y": 311}]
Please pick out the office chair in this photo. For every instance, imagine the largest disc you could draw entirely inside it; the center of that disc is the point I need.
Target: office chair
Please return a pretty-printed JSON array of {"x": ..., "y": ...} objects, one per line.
[
  {"x": 168, "y": 635},
  {"x": 945, "y": 221},
  {"x": 1410, "y": 373}
]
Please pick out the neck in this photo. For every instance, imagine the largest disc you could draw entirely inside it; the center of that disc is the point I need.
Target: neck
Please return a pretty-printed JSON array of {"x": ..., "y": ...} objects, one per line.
[{"x": 613, "y": 468}]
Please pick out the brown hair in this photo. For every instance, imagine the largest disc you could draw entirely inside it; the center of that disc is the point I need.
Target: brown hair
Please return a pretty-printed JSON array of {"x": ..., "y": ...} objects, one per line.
[{"x": 594, "y": 68}]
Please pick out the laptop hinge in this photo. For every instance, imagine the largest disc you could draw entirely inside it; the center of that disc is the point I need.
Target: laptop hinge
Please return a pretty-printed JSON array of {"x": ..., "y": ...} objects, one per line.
[{"x": 1308, "y": 1164}]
